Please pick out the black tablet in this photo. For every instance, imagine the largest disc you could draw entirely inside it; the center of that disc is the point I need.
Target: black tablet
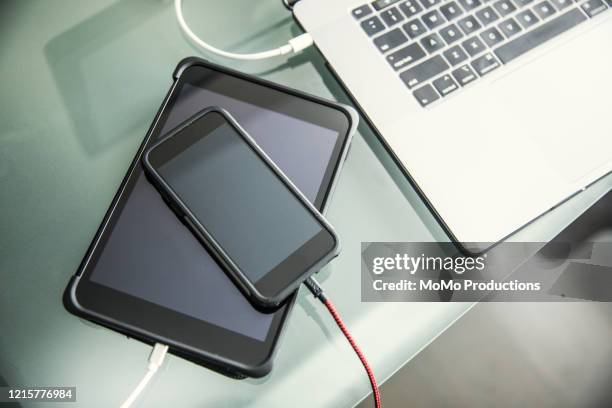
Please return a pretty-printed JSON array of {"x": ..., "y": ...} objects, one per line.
[{"x": 147, "y": 276}]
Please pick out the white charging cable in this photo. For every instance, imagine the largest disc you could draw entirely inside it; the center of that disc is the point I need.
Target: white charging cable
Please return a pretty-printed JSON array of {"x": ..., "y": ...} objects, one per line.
[
  {"x": 156, "y": 358},
  {"x": 294, "y": 45}
]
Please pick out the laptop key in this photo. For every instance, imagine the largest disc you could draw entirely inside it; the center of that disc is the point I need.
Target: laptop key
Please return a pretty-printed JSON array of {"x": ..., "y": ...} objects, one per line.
[
  {"x": 390, "y": 40},
  {"x": 392, "y": 16},
  {"x": 485, "y": 64},
  {"x": 452, "y": 10},
  {"x": 470, "y": 4},
  {"x": 432, "y": 43},
  {"x": 469, "y": 24},
  {"x": 433, "y": 19},
  {"x": 381, "y": 4},
  {"x": 473, "y": 46},
  {"x": 455, "y": 55},
  {"x": 429, "y": 3},
  {"x": 544, "y": 9},
  {"x": 451, "y": 34},
  {"x": 504, "y": 7},
  {"x": 492, "y": 36},
  {"x": 414, "y": 28},
  {"x": 539, "y": 35},
  {"x": 561, "y": 4},
  {"x": 523, "y": 3},
  {"x": 362, "y": 11},
  {"x": 526, "y": 18},
  {"x": 410, "y": 8},
  {"x": 593, "y": 7},
  {"x": 445, "y": 85},
  {"x": 510, "y": 27},
  {"x": 372, "y": 26},
  {"x": 424, "y": 71},
  {"x": 464, "y": 75},
  {"x": 487, "y": 16},
  {"x": 406, "y": 56},
  {"x": 426, "y": 95}
]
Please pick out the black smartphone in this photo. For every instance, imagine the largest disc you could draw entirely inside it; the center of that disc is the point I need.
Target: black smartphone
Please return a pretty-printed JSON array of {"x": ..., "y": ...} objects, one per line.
[
  {"x": 268, "y": 237},
  {"x": 147, "y": 276}
]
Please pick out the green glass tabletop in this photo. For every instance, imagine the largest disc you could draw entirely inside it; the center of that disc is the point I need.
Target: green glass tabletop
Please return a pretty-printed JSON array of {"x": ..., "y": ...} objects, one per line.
[{"x": 81, "y": 82}]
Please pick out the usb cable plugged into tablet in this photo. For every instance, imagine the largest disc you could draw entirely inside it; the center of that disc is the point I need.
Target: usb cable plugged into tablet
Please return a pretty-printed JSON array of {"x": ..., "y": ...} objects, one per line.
[
  {"x": 156, "y": 358},
  {"x": 318, "y": 293},
  {"x": 294, "y": 46}
]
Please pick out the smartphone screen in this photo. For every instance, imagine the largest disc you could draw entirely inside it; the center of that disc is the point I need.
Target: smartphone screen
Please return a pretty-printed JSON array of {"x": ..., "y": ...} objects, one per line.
[{"x": 257, "y": 220}]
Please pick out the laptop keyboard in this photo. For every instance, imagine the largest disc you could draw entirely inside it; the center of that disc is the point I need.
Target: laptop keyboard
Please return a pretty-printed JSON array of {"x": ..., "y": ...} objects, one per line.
[{"x": 440, "y": 46}]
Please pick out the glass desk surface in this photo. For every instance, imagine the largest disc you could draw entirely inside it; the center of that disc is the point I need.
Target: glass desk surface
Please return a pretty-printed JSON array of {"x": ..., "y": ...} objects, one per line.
[{"x": 81, "y": 84}]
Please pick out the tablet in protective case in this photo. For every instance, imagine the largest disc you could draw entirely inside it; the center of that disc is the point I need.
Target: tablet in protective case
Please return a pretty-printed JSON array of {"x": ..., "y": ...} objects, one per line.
[{"x": 145, "y": 275}]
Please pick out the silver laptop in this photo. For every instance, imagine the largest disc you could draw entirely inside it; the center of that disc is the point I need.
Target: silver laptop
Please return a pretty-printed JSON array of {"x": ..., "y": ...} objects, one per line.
[{"x": 498, "y": 110}]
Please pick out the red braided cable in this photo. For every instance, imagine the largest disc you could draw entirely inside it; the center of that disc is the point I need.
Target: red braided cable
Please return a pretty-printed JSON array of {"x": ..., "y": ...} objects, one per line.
[{"x": 332, "y": 310}]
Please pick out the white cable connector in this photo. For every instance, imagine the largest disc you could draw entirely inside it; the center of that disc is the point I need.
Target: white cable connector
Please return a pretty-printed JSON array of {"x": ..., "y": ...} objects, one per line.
[
  {"x": 294, "y": 45},
  {"x": 156, "y": 358}
]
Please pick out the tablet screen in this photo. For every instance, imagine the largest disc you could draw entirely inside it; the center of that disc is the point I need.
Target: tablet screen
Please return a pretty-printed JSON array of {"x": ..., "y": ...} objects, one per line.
[{"x": 150, "y": 255}]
